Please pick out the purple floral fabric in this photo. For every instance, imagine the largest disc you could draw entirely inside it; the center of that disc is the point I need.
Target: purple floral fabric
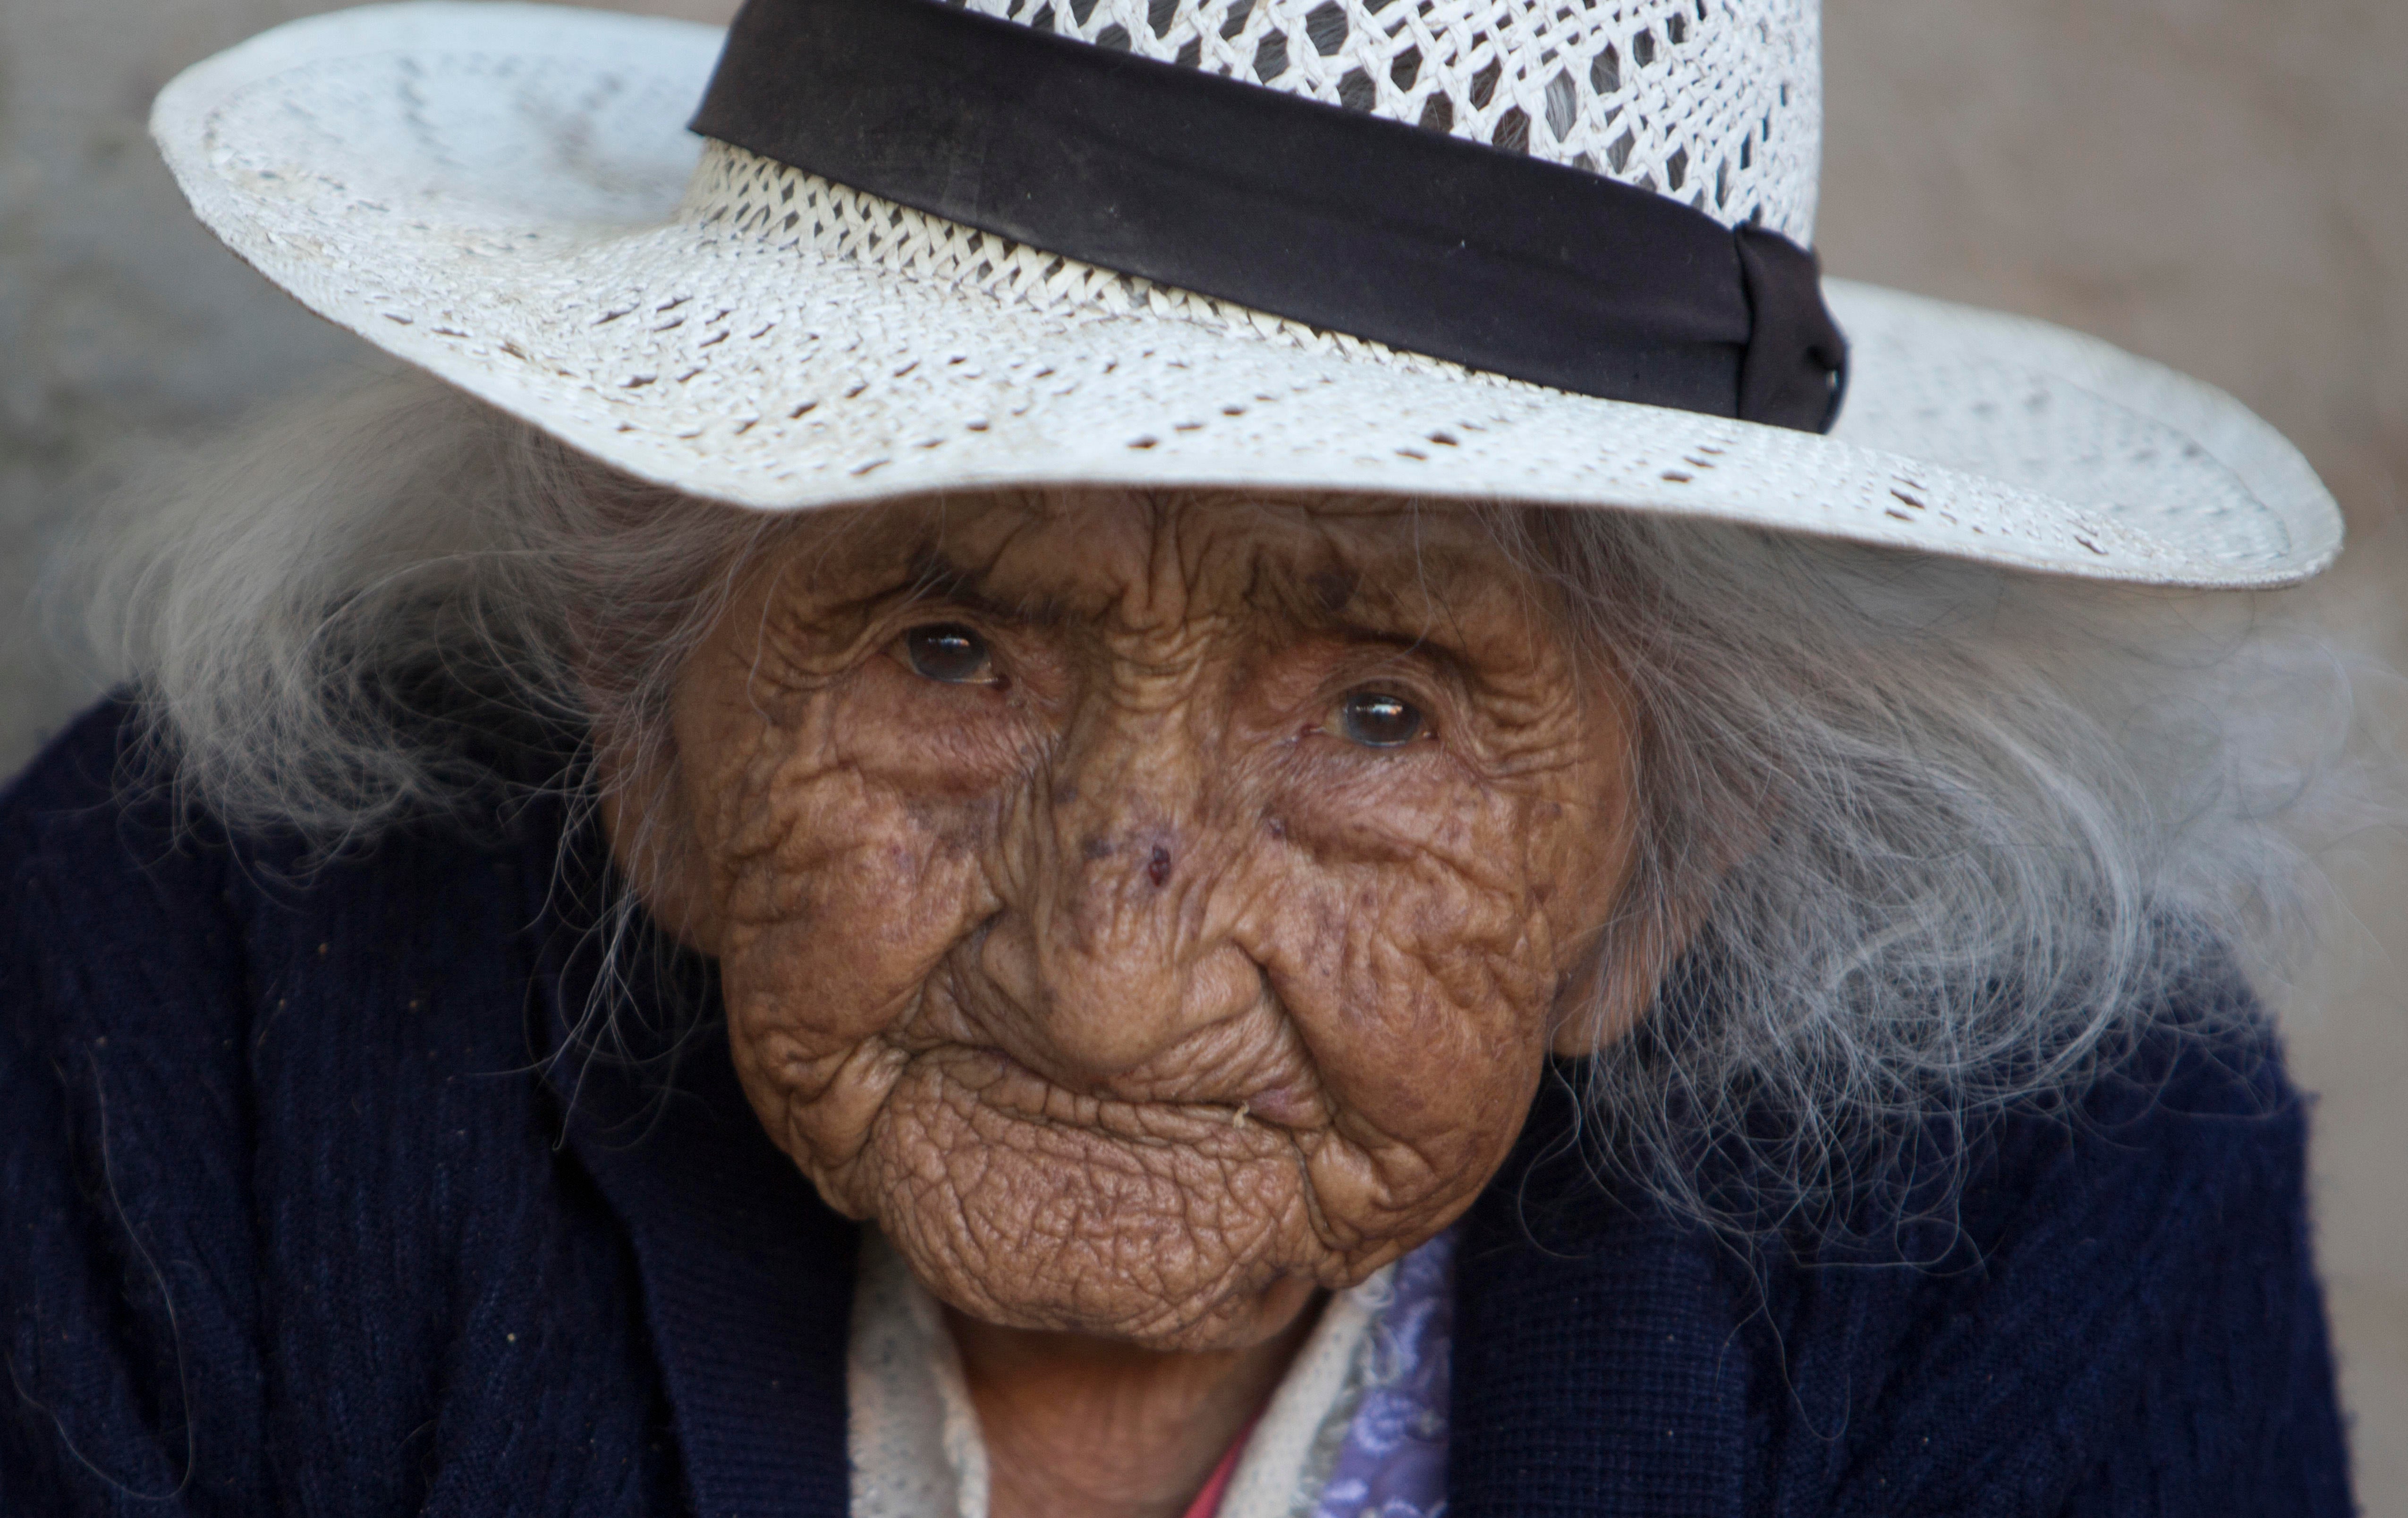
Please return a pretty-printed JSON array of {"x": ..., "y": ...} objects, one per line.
[{"x": 1393, "y": 1464}]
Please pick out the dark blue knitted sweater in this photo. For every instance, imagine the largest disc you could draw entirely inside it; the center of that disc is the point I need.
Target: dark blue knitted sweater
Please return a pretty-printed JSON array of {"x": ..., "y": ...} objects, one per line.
[{"x": 287, "y": 1227}]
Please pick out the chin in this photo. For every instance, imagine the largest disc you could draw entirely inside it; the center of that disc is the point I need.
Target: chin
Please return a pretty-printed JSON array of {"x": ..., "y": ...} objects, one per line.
[{"x": 1231, "y": 1322}]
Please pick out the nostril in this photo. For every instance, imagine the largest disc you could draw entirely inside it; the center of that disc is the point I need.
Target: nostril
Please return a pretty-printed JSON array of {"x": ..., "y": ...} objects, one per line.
[{"x": 1157, "y": 867}]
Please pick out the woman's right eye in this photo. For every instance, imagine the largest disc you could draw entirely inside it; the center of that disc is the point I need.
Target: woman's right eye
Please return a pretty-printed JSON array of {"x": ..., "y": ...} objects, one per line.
[
  {"x": 950, "y": 652},
  {"x": 1378, "y": 720}
]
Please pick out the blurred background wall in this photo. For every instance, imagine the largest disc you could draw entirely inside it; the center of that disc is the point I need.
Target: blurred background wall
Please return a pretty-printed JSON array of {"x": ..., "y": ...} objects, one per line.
[{"x": 2214, "y": 183}]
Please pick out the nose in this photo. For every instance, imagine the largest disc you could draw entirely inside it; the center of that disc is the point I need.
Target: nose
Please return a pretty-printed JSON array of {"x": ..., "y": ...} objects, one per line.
[{"x": 1109, "y": 956}]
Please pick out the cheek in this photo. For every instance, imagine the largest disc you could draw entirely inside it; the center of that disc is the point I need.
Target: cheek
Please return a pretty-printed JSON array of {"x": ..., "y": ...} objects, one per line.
[
  {"x": 841, "y": 869},
  {"x": 1404, "y": 939},
  {"x": 937, "y": 743}
]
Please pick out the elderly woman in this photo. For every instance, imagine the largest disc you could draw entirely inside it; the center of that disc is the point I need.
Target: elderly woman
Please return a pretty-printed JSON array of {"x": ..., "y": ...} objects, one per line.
[{"x": 1162, "y": 757}]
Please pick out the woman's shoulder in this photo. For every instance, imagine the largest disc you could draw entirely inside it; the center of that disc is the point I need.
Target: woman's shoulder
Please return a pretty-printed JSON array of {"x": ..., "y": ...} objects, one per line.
[
  {"x": 119, "y": 920},
  {"x": 279, "y": 1142},
  {"x": 2113, "y": 1309},
  {"x": 114, "y": 868},
  {"x": 2108, "y": 1306},
  {"x": 138, "y": 929}
]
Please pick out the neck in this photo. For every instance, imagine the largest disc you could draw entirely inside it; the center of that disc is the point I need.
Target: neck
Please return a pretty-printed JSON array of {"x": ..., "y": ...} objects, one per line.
[{"x": 1077, "y": 1425}]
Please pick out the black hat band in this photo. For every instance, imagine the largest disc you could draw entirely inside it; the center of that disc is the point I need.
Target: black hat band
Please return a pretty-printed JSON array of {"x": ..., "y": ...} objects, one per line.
[{"x": 1330, "y": 217}]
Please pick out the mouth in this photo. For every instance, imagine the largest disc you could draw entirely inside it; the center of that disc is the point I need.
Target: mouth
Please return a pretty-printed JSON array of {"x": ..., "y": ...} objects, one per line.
[
  {"x": 1223, "y": 1120},
  {"x": 1246, "y": 1072},
  {"x": 1021, "y": 1202}
]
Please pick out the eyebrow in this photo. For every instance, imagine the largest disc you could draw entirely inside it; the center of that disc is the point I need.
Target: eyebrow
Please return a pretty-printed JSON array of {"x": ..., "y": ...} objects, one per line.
[
  {"x": 1333, "y": 601},
  {"x": 932, "y": 576},
  {"x": 1426, "y": 648}
]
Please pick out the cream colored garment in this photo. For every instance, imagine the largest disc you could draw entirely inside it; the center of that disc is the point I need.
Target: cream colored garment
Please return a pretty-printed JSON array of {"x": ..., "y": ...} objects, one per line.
[{"x": 914, "y": 1436}]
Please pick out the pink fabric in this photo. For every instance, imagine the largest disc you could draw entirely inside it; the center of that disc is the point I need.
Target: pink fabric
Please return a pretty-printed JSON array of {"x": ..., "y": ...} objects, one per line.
[{"x": 1208, "y": 1501}]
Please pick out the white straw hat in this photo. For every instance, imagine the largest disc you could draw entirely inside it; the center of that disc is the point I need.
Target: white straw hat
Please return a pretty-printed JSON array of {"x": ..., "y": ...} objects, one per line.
[{"x": 509, "y": 196}]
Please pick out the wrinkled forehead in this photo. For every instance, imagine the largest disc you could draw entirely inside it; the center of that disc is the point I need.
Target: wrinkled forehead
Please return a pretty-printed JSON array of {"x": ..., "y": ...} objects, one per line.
[{"x": 1160, "y": 557}]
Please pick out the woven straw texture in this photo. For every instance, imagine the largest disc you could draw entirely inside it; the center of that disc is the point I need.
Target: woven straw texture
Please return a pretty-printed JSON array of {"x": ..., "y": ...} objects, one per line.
[
  {"x": 506, "y": 195},
  {"x": 1716, "y": 103}
]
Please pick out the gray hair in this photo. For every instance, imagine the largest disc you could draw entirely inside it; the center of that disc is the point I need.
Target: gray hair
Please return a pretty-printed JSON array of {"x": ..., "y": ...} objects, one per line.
[{"x": 1944, "y": 837}]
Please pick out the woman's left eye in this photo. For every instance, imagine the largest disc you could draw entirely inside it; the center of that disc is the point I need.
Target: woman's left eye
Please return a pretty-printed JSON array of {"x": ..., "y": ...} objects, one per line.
[
  {"x": 1378, "y": 720},
  {"x": 950, "y": 652}
]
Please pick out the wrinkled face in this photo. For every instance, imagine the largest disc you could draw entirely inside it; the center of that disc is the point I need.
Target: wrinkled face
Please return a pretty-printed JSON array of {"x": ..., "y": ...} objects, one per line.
[{"x": 1148, "y": 910}]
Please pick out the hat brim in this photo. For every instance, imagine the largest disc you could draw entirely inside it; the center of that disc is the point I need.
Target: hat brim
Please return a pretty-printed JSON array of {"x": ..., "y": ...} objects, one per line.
[{"x": 493, "y": 192}]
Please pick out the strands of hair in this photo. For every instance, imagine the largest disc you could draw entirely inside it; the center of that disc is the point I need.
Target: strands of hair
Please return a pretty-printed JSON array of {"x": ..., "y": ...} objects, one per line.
[
  {"x": 1940, "y": 837},
  {"x": 1946, "y": 840}
]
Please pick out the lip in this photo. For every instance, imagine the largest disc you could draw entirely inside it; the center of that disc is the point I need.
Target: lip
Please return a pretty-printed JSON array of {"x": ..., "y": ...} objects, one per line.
[
  {"x": 1005, "y": 1086},
  {"x": 1251, "y": 1081}
]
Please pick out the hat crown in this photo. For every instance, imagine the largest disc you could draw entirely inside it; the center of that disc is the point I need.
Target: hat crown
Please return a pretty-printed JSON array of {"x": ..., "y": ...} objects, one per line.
[{"x": 1715, "y": 103}]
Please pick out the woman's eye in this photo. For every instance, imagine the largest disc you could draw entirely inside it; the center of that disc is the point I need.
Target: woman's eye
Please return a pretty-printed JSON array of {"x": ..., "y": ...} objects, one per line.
[
  {"x": 1377, "y": 719},
  {"x": 950, "y": 652}
]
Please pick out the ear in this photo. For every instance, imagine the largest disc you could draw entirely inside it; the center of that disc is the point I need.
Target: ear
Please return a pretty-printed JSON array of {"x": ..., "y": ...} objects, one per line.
[
  {"x": 1598, "y": 1007},
  {"x": 653, "y": 842},
  {"x": 1641, "y": 944}
]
